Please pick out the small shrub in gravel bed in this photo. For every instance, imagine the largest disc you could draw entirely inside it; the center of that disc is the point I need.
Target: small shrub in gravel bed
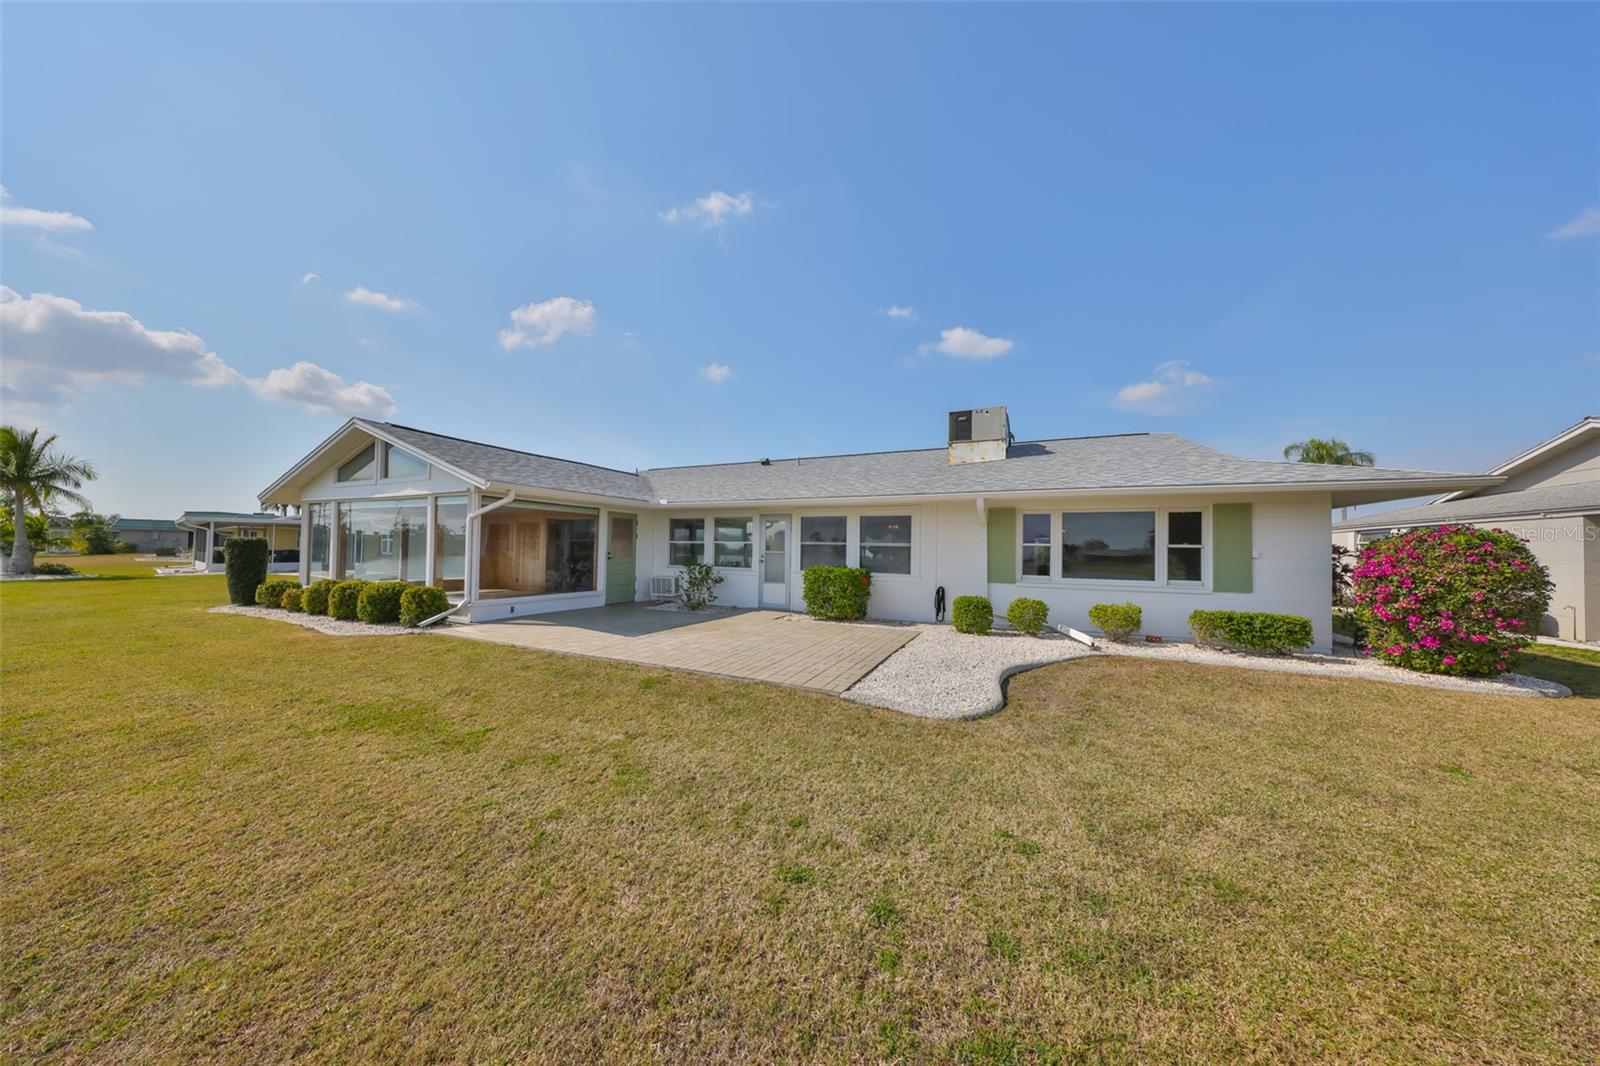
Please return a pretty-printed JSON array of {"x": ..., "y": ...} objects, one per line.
[
  {"x": 343, "y": 598},
  {"x": 270, "y": 592},
  {"x": 293, "y": 599},
  {"x": 52, "y": 570},
  {"x": 1027, "y": 615},
  {"x": 1251, "y": 630},
  {"x": 421, "y": 602},
  {"x": 972, "y": 614},
  {"x": 315, "y": 599},
  {"x": 836, "y": 592},
  {"x": 379, "y": 602},
  {"x": 1118, "y": 621}
]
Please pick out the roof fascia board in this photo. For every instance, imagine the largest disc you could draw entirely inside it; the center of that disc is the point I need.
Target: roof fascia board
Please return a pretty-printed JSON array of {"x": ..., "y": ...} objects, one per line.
[
  {"x": 1535, "y": 453},
  {"x": 319, "y": 453}
]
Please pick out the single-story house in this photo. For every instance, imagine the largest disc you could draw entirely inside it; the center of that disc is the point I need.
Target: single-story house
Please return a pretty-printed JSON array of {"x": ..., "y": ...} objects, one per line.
[
  {"x": 1145, "y": 517},
  {"x": 212, "y": 529},
  {"x": 152, "y": 534},
  {"x": 1549, "y": 496}
]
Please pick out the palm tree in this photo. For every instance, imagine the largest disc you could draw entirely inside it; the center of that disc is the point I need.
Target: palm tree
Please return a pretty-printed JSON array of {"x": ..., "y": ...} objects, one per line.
[
  {"x": 1332, "y": 451},
  {"x": 34, "y": 473}
]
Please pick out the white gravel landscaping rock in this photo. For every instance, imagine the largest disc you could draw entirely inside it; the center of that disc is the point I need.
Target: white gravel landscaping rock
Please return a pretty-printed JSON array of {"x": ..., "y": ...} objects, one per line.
[
  {"x": 945, "y": 674},
  {"x": 334, "y": 627},
  {"x": 950, "y": 675}
]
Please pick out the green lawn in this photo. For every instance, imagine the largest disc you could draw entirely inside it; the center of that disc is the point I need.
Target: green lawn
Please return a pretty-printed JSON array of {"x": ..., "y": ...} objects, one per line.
[{"x": 233, "y": 839}]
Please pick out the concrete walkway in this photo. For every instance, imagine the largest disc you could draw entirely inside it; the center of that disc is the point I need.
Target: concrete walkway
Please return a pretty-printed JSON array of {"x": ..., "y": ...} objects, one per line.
[{"x": 767, "y": 646}]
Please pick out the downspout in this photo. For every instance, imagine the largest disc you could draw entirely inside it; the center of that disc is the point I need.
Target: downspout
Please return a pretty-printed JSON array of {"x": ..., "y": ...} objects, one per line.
[{"x": 472, "y": 541}]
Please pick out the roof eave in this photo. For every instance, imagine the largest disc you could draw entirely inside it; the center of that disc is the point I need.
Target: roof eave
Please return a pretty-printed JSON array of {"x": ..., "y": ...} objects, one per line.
[{"x": 373, "y": 429}]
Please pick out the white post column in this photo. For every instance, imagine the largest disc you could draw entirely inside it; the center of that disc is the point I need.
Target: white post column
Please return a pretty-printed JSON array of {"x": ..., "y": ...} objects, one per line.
[
  {"x": 211, "y": 543},
  {"x": 305, "y": 545},
  {"x": 431, "y": 555}
]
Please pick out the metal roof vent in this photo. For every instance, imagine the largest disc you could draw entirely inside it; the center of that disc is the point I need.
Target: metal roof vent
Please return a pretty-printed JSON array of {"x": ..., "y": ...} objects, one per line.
[{"x": 979, "y": 435}]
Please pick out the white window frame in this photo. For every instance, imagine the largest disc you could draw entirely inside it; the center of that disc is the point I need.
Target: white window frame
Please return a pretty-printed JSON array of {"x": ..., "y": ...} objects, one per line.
[
  {"x": 382, "y": 469},
  {"x": 910, "y": 514},
  {"x": 705, "y": 529},
  {"x": 1161, "y": 582},
  {"x": 377, "y": 464},
  {"x": 710, "y": 555},
  {"x": 800, "y": 543}
]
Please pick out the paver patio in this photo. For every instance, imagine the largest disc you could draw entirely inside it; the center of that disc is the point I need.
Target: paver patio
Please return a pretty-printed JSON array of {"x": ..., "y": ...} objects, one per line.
[{"x": 767, "y": 646}]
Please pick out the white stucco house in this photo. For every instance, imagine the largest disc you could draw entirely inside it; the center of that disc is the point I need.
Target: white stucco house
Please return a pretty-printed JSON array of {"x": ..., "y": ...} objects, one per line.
[
  {"x": 1145, "y": 517},
  {"x": 1549, "y": 496}
]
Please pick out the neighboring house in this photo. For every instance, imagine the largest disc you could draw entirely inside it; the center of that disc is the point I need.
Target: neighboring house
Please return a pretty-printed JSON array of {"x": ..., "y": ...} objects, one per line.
[
  {"x": 213, "y": 529},
  {"x": 1549, "y": 496},
  {"x": 1147, "y": 517},
  {"x": 150, "y": 534}
]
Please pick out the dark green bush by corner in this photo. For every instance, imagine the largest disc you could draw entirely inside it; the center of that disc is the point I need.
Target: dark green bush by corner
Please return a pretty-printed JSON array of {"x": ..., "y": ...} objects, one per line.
[
  {"x": 421, "y": 602},
  {"x": 1118, "y": 621},
  {"x": 315, "y": 600},
  {"x": 972, "y": 614},
  {"x": 293, "y": 599},
  {"x": 1027, "y": 615},
  {"x": 837, "y": 592},
  {"x": 270, "y": 592},
  {"x": 245, "y": 563},
  {"x": 379, "y": 602},
  {"x": 343, "y": 599},
  {"x": 1251, "y": 630}
]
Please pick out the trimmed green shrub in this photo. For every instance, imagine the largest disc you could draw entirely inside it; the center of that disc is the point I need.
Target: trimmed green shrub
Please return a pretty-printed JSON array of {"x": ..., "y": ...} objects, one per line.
[
  {"x": 293, "y": 599},
  {"x": 1028, "y": 616},
  {"x": 972, "y": 614},
  {"x": 245, "y": 563},
  {"x": 1252, "y": 630},
  {"x": 343, "y": 599},
  {"x": 379, "y": 602},
  {"x": 52, "y": 570},
  {"x": 837, "y": 592},
  {"x": 421, "y": 602},
  {"x": 270, "y": 592},
  {"x": 168, "y": 552},
  {"x": 1450, "y": 600},
  {"x": 1118, "y": 621},
  {"x": 315, "y": 600}
]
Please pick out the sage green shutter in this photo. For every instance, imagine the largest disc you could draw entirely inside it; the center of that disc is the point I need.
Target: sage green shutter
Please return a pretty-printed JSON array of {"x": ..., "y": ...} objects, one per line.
[
  {"x": 1002, "y": 545},
  {"x": 1230, "y": 557}
]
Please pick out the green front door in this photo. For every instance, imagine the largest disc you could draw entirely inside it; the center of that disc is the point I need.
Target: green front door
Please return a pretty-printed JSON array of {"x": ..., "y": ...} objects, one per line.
[{"x": 620, "y": 540}]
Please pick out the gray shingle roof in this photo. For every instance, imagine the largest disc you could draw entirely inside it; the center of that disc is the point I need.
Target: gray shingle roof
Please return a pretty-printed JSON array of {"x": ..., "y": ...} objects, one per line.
[
  {"x": 1582, "y": 497},
  {"x": 1125, "y": 461},
  {"x": 509, "y": 466}
]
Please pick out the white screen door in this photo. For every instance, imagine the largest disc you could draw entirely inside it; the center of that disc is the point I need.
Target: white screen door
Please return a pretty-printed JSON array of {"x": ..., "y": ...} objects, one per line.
[{"x": 774, "y": 562}]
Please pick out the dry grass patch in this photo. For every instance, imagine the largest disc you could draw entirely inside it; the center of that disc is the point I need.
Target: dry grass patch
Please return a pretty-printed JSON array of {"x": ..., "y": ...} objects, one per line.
[{"x": 234, "y": 840}]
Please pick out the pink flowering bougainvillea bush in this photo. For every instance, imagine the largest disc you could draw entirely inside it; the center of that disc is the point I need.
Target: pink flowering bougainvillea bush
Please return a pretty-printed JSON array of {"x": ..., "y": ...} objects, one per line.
[{"x": 1450, "y": 600}]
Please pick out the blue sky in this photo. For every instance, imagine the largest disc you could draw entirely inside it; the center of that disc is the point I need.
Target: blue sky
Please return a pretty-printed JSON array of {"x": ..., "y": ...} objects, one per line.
[{"x": 1245, "y": 224}]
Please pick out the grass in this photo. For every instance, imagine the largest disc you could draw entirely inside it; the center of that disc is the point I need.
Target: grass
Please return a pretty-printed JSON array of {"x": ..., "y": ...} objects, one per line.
[{"x": 232, "y": 839}]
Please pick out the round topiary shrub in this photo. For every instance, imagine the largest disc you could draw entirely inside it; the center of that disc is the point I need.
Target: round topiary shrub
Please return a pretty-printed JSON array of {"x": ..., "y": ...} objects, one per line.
[
  {"x": 270, "y": 592},
  {"x": 245, "y": 563},
  {"x": 293, "y": 598},
  {"x": 972, "y": 614},
  {"x": 1118, "y": 621},
  {"x": 1027, "y": 615},
  {"x": 379, "y": 602},
  {"x": 343, "y": 599},
  {"x": 421, "y": 602},
  {"x": 1450, "y": 599},
  {"x": 315, "y": 600}
]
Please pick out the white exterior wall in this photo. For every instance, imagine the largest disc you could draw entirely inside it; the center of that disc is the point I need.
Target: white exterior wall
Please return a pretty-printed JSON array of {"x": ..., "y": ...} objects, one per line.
[
  {"x": 1292, "y": 572},
  {"x": 1567, "y": 549}
]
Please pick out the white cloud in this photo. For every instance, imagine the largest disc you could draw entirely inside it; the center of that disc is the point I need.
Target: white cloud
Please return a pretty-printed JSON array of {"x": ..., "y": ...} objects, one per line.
[
  {"x": 716, "y": 373},
  {"x": 1166, "y": 392},
  {"x": 33, "y": 218},
  {"x": 1585, "y": 223},
  {"x": 55, "y": 351},
  {"x": 964, "y": 343},
  {"x": 309, "y": 277},
  {"x": 325, "y": 392},
  {"x": 896, "y": 311},
  {"x": 545, "y": 323},
  {"x": 713, "y": 210},
  {"x": 363, "y": 295}
]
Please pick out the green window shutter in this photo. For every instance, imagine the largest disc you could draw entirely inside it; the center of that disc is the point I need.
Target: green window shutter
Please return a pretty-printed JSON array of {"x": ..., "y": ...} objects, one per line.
[
  {"x": 1230, "y": 558},
  {"x": 1002, "y": 545}
]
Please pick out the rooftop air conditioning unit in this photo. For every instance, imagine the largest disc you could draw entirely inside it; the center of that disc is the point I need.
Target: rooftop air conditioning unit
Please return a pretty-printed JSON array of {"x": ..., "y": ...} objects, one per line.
[
  {"x": 979, "y": 435},
  {"x": 664, "y": 588}
]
